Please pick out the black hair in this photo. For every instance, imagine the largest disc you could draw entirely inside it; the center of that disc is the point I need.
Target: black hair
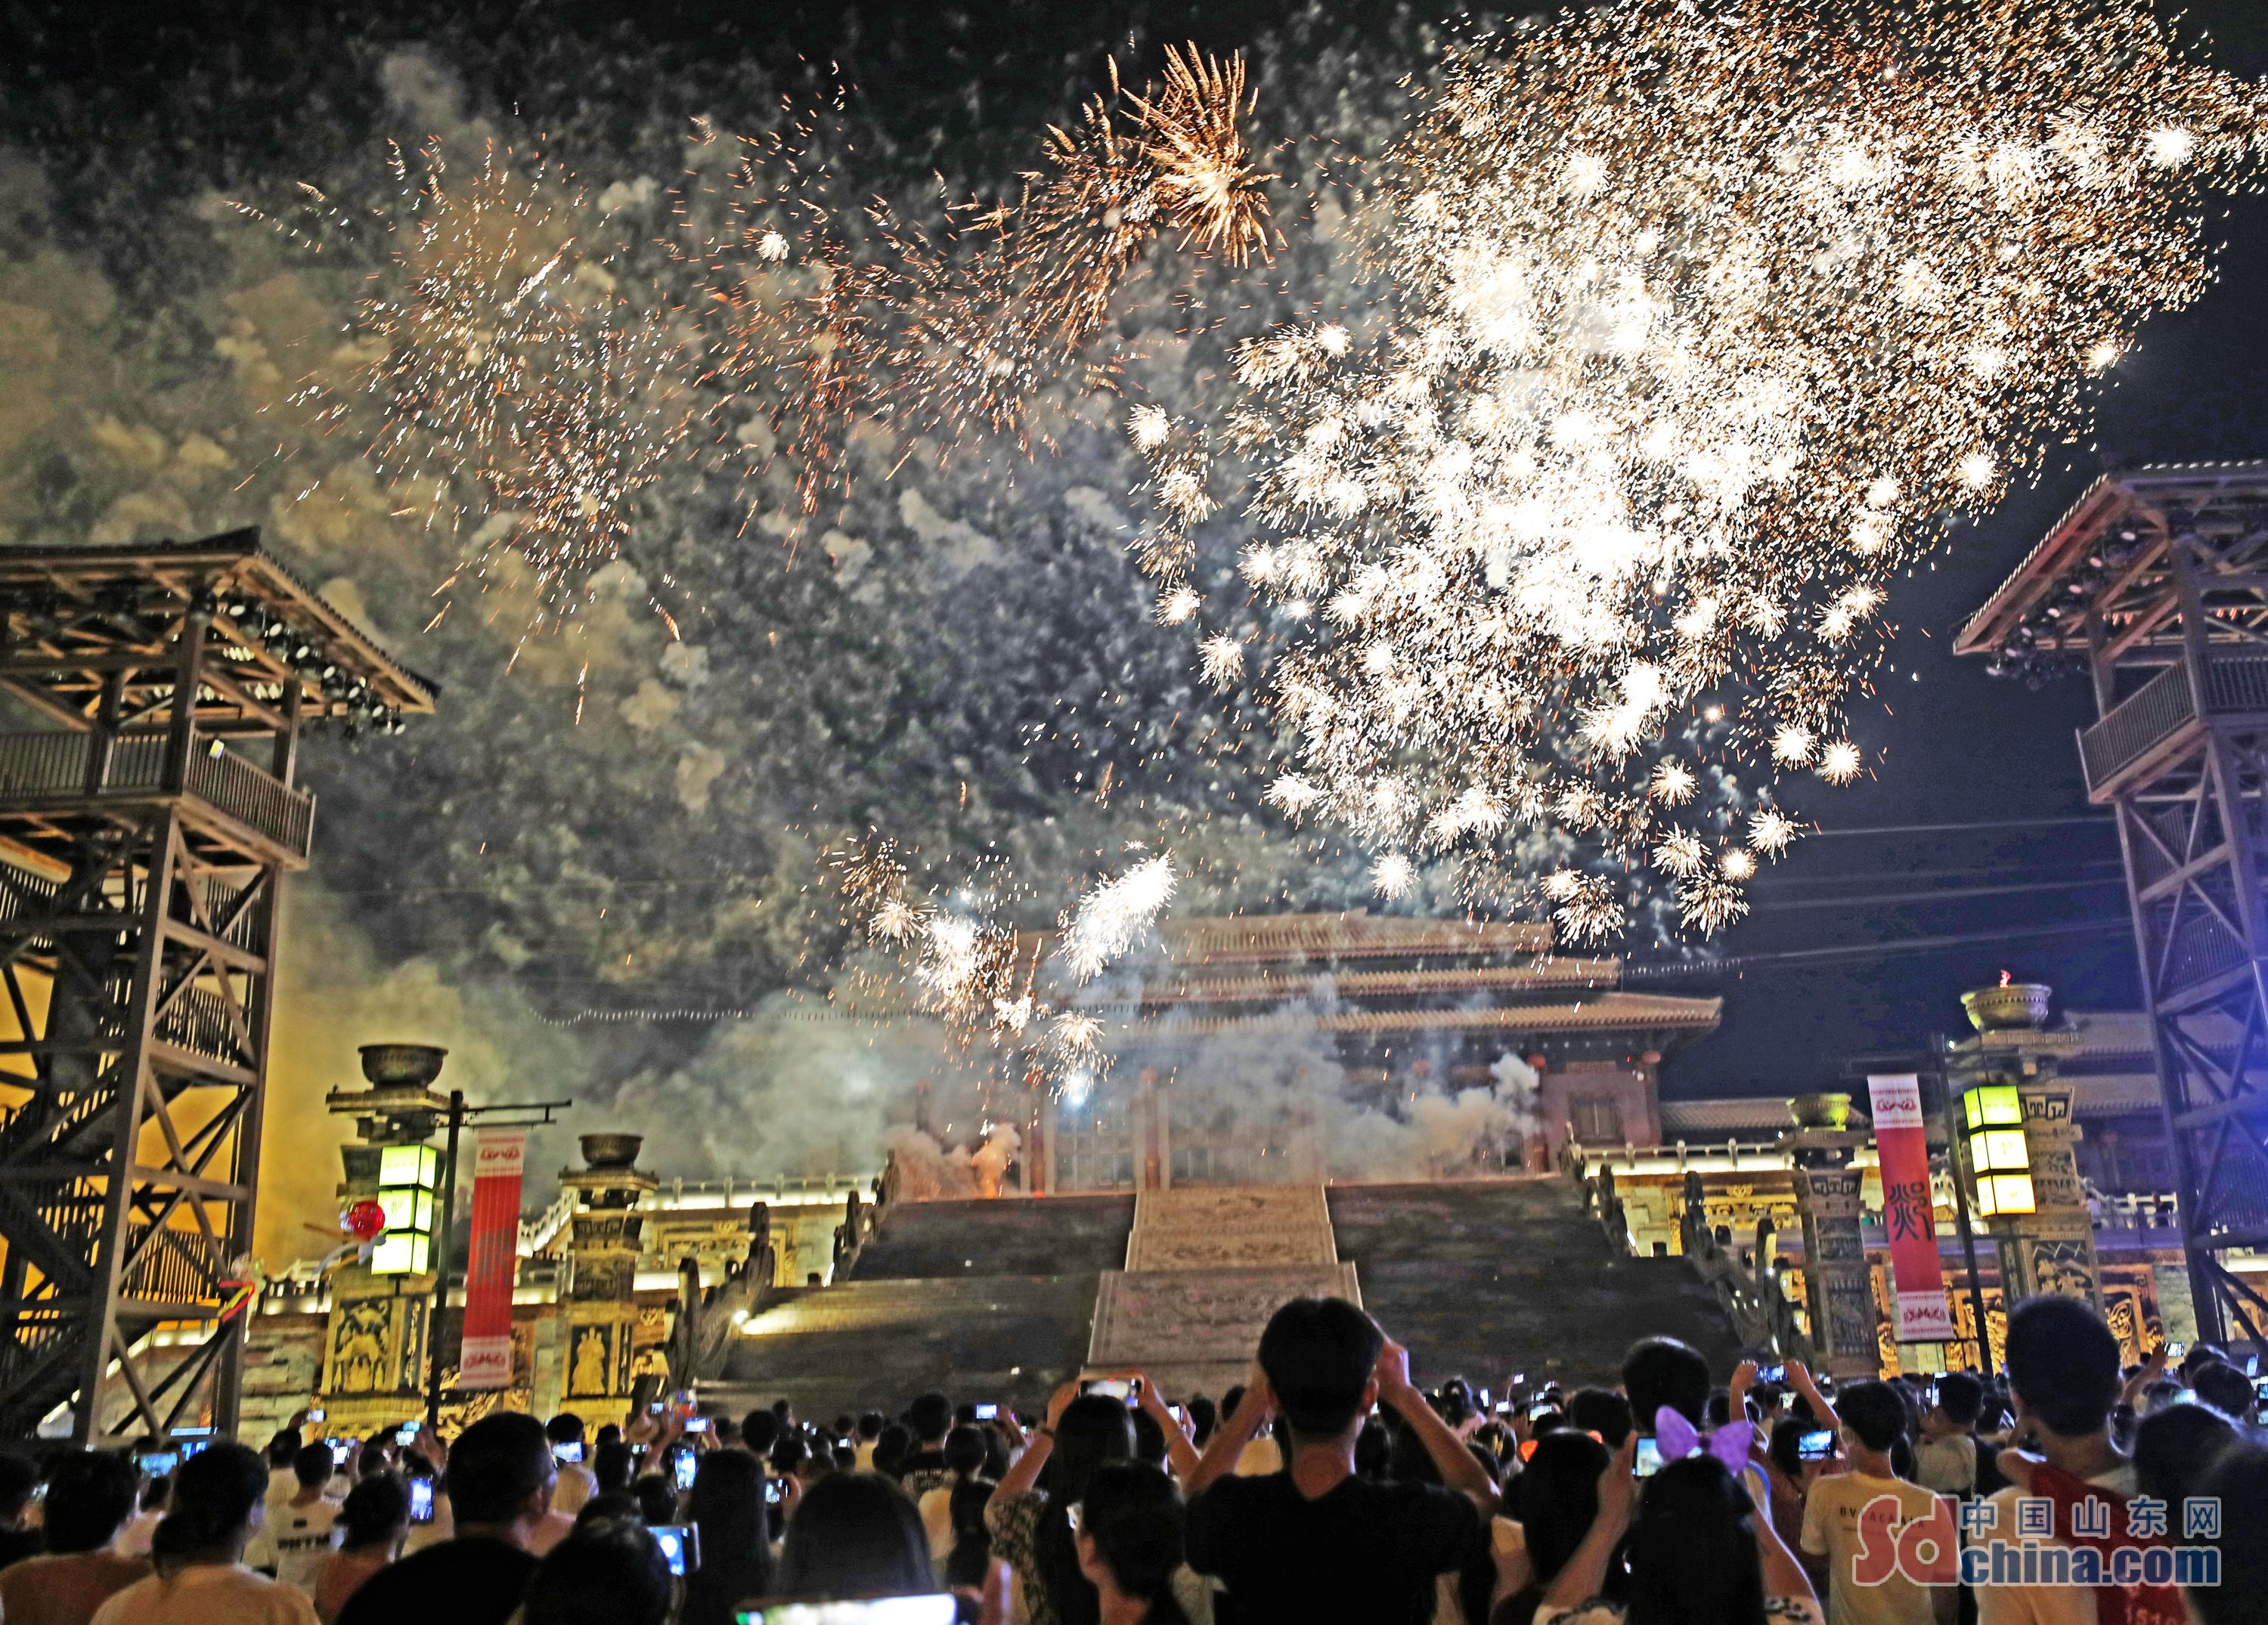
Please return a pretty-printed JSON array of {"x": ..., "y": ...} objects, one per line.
[
  {"x": 1556, "y": 1497},
  {"x": 2239, "y": 1480},
  {"x": 890, "y": 1448},
  {"x": 214, "y": 1494},
  {"x": 612, "y": 1506},
  {"x": 313, "y": 1467},
  {"x": 1133, "y": 1514},
  {"x": 376, "y": 1510},
  {"x": 657, "y": 1497},
  {"x": 788, "y": 1453},
  {"x": 1961, "y": 1397},
  {"x": 611, "y": 1432},
  {"x": 2176, "y": 1447},
  {"x": 1149, "y": 1437},
  {"x": 855, "y": 1534},
  {"x": 1373, "y": 1451},
  {"x": 1786, "y": 1445},
  {"x": 1319, "y": 1354},
  {"x": 90, "y": 1496},
  {"x": 2222, "y": 1386},
  {"x": 1094, "y": 1432},
  {"x": 871, "y": 1423},
  {"x": 760, "y": 1430},
  {"x": 566, "y": 1427},
  {"x": 972, "y": 1542},
  {"x": 964, "y": 1451},
  {"x": 2063, "y": 1363},
  {"x": 929, "y": 1416},
  {"x": 1661, "y": 1370},
  {"x": 727, "y": 1505},
  {"x": 1693, "y": 1549},
  {"x": 19, "y": 1477},
  {"x": 283, "y": 1447},
  {"x": 1205, "y": 1416},
  {"x": 157, "y": 1493},
  {"x": 603, "y": 1573},
  {"x": 612, "y": 1463},
  {"x": 1874, "y": 1411},
  {"x": 496, "y": 1465},
  {"x": 1601, "y": 1411}
]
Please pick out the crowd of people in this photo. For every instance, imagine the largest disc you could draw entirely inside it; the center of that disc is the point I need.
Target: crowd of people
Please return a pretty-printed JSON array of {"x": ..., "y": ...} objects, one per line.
[{"x": 1327, "y": 1486}]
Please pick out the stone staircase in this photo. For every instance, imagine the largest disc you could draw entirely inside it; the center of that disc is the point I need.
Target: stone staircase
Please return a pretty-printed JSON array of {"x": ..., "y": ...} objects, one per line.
[
  {"x": 1486, "y": 1279},
  {"x": 1005, "y": 1299}
]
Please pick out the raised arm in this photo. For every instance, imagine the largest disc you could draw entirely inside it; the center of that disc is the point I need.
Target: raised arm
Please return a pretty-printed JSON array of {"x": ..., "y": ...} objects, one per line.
[
  {"x": 1024, "y": 1471},
  {"x": 1457, "y": 1466},
  {"x": 1181, "y": 1455},
  {"x": 1585, "y": 1574},
  {"x": 1800, "y": 1374},
  {"x": 1783, "y": 1574},
  {"x": 1234, "y": 1432}
]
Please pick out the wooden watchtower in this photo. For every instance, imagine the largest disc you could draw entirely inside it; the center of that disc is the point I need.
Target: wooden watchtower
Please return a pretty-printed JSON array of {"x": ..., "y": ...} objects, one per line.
[
  {"x": 145, "y": 826},
  {"x": 2155, "y": 584}
]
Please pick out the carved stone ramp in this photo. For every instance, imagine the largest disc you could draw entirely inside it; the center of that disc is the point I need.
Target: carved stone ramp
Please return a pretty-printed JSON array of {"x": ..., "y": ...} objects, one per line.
[{"x": 1205, "y": 1267}]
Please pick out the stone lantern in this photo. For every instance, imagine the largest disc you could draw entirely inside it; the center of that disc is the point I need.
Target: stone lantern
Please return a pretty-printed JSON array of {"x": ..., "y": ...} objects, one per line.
[{"x": 598, "y": 1312}]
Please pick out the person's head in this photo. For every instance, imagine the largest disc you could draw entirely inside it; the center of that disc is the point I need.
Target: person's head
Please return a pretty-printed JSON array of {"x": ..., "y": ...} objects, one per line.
[
  {"x": 2063, "y": 1365},
  {"x": 2176, "y": 1447},
  {"x": 1455, "y": 1401},
  {"x": 1129, "y": 1532},
  {"x": 1960, "y": 1397},
  {"x": 313, "y": 1467},
  {"x": 855, "y": 1534},
  {"x": 2225, "y": 1388},
  {"x": 1785, "y": 1447},
  {"x": 1149, "y": 1437},
  {"x": 566, "y": 1427},
  {"x": 785, "y": 1410},
  {"x": 501, "y": 1475},
  {"x": 1874, "y": 1418},
  {"x": 891, "y": 1448},
  {"x": 1661, "y": 1370},
  {"x": 2239, "y": 1480},
  {"x": 1693, "y": 1549},
  {"x": 377, "y": 1454},
  {"x": 376, "y": 1515},
  {"x": 284, "y": 1449},
  {"x": 2197, "y": 1355},
  {"x": 1203, "y": 1417},
  {"x": 871, "y": 1423},
  {"x": 1601, "y": 1411},
  {"x": 1558, "y": 1495},
  {"x": 726, "y": 1503},
  {"x": 760, "y": 1430},
  {"x": 611, "y": 1433},
  {"x": 611, "y": 1465},
  {"x": 603, "y": 1573},
  {"x": 929, "y": 1416},
  {"x": 613, "y": 1506},
  {"x": 964, "y": 1451},
  {"x": 90, "y": 1498},
  {"x": 19, "y": 1478},
  {"x": 657, "y": 1497},
  {"x": 218, "y": 1495},
  {"x": 788, "y": 1453},
  {"x": 1321, "y": 1355}
]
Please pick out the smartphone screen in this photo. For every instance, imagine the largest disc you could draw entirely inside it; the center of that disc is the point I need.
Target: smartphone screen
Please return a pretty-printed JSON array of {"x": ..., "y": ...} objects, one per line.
[
  {"x": 420, "y": 1500},
  {"x": 1177, "y": 1413},
  {"x": 697, "y": 1424},
  {"x": 937, "y": 1610},
  {"x": 315, "y": 1413},
  {"x": 1111, "y": 1387},
  {"x": 1771, "y": 1374},
  {"x": 1649, "y": 1458},
  {"x": 1536, "y": 1413},
  {"x": 405, "y": 1434},
  {"x": 339, "y": 1448},
  {"x": 680, "y": 1544},
  {"x": 567, "y": 1452},
  {"x": 987, "y": 1412},
  {"x": 775, "y": 1491},
  {"x": 157, "y": 1463},
  {"x": 1818, "y": 1446}
]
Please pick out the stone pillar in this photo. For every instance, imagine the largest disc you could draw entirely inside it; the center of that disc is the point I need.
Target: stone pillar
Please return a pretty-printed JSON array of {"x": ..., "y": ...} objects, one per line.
[
  {"x": 1164, "y": 1096},
  {"x": 598, "y": 1312},
  {"x": 1149, "y": 1173},
  {"x": 374, "y": 1340},
  {"x": 2052, "y": 1249},
  {"x": 1836, "y": 1283}
]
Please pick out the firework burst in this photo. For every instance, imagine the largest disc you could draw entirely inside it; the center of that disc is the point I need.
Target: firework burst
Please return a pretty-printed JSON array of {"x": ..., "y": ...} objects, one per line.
[{"x": 1668, "y": 391}]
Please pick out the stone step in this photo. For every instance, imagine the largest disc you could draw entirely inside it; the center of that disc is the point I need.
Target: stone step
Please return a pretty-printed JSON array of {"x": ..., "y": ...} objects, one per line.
[{"x": 1014, "y": 1236}]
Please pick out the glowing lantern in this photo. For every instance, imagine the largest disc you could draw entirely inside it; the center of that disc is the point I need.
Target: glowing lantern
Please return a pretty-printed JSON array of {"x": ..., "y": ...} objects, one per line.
[
  {"x": 1998, "y": 1155},
  {"x": 408, "y": 1176}
]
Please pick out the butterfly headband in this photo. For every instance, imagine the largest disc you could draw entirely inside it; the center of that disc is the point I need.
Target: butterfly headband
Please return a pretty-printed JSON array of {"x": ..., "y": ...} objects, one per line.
[{"x": 1679, "y": 1439}]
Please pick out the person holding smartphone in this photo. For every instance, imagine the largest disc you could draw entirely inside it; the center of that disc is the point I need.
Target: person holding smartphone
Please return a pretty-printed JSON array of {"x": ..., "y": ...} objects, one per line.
[{"x": 373, "y": 1526}]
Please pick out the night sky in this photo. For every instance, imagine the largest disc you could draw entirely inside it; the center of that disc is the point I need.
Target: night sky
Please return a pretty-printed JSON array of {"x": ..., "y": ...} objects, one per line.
[{"x": 1952, "y": 747}]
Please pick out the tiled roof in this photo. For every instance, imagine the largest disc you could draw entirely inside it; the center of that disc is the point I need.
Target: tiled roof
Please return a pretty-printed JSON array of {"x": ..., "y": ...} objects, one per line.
[
  {"x": 1549, "y": 973},
  {"x": 1608, "y": 1013},
  {"x": 1356, "y": 934}
]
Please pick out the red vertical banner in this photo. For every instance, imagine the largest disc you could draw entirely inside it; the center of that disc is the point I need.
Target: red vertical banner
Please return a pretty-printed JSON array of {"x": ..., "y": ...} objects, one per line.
[
  {"x": 498, "y": 1157},
  {"x": 1902, "y": 1142}
]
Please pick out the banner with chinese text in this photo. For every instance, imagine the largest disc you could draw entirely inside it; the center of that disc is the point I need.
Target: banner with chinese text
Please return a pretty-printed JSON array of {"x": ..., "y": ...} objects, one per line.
[
  {"x": 1902, "y": 1142},
  {"x": 498, "y": 1155}
]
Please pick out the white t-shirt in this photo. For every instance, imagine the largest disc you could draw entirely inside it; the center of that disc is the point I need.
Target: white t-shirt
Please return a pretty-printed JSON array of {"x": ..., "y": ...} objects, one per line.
[
  {"x": 1831, "y": 1511},
  {"x": 134, "y": 1540},
  {"x": 260, "y": 1551},
  {"x": 1948, "y": 1464},
  {"x": 2037, "y": 1604},
  {"x": 207, "y": 1594},
  {"x": 304, "y": 1536},
  {"x": 576, "y": 1487}
]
